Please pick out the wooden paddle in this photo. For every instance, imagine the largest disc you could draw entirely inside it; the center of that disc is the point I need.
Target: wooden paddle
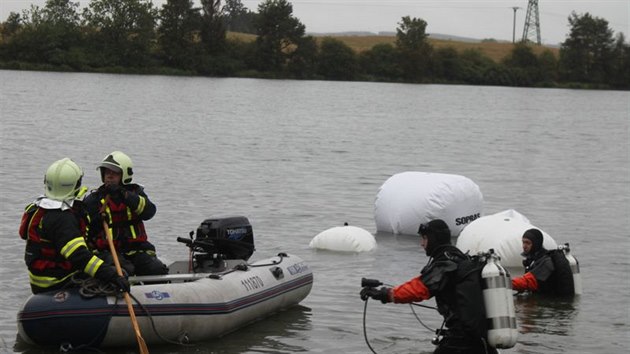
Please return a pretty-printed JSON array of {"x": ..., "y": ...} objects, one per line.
[{"x": 110, "y": 240}]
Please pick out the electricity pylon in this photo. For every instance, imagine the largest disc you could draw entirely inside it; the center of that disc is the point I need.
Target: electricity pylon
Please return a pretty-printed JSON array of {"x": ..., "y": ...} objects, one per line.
[{"x": 532, "y": 22}]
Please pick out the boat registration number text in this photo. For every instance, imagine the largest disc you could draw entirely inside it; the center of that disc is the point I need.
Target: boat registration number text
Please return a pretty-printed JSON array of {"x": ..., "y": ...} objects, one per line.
[{"x": 252, "y": 283}]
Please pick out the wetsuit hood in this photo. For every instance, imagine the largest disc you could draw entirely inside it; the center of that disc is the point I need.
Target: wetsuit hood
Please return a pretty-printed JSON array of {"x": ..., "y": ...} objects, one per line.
[
  {"x": 536, "y": 237},
  {"x": 437, "y": 233}
]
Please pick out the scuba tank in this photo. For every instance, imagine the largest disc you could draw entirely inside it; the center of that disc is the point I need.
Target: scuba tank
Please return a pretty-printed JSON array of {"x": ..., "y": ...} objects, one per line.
[
  {"x": 499, "y": 302},
  {"x": 575, "y": 268}
]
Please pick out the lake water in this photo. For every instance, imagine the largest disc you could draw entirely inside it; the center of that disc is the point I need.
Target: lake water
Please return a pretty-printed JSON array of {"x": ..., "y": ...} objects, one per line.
[{"x": 299, "y": 157}]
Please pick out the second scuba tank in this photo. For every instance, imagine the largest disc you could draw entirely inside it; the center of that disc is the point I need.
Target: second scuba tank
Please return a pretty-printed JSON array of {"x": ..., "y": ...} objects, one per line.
[
  {"x": 499, "y": 303},
  {"x": 575, "y": 268}
]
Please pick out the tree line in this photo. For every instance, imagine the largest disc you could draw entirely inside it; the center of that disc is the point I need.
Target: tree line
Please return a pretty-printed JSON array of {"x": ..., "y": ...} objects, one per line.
[{"x": 133, "y": 36}]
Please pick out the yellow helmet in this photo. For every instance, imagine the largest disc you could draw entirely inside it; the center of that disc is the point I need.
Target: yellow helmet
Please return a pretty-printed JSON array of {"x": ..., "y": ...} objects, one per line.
[
  {"x": 119, "y": 162},
  {"x": 62, "y": 180}
]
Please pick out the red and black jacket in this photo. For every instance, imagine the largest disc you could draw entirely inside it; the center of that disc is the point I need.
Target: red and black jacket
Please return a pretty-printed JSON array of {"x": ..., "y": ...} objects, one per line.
[
  {"x": 124, "y": 212},
  {"x": 55, "y": 245}
]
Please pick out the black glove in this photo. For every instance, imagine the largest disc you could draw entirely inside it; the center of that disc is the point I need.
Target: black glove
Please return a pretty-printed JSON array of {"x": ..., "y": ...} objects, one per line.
[
  {"x": 376, "y": 294},
  {"x": 113, "y": 189},
  {"x": 121, "y": 283},
  {"x": 108, "y": 274},
  {"x": 132, "y": 199}
]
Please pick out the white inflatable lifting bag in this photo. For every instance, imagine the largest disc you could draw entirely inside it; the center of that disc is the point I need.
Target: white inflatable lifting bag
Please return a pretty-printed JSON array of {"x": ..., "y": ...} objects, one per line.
[
  {"x": 345, "y": 239},
  {"x": 503, "y": 232},
  {"x": 408, "y": 199}
]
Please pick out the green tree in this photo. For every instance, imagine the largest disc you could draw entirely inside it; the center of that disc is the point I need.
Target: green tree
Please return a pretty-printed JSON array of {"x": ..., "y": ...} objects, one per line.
[
  {"x": 63, "y": 13},
  {"x": 521, "y": 56},
  {"x": 278, "y": 34},
  {"x": 586, "y": 55},
  {"x": 523, "y": 64},
  {"x": 64, "y": 32},
  {"x": 473, "y": 66},
  {"x": 380, "y": 62},
  {"x": 447, "y": 64},
  {"x": 11, "y": 25},
  {"x": 337, "y": 61},
  {"x": 25, "y": 42},
  {"x": 548, "y": 66},
  {"x": 123, "y": 31},
  {"x": 48, "y": 35},
  {"x": 620, "y": 71},
  {"x": 212, "y": 27},
  {"x": 232, "y": 11},
  {"x": 177, "y": 33},
  {"x": 303, "y": 61},
  {"x": 237, "y": 17},
  {"x": 498, "y": 75},
  {"x": 414, "y": 48}
]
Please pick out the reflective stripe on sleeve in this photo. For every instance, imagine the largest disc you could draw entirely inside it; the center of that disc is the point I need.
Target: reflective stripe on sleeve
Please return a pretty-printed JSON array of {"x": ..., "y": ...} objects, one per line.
[
  {"x": 72, "y": 246},
  {"x": 142, "y": 202},
  {"x": 92, "y": 266},
  {"x": 46, "y": 282}
]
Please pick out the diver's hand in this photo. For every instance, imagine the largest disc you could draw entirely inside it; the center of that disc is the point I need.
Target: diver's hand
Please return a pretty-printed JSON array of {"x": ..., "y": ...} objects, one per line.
[{"x": 381, "y": 294}]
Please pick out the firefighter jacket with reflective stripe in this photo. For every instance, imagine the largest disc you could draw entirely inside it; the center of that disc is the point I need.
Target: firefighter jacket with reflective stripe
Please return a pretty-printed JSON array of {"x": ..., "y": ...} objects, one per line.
[
  {"x": 124, "y": 212},
  {"x": 55, "y": 245}
]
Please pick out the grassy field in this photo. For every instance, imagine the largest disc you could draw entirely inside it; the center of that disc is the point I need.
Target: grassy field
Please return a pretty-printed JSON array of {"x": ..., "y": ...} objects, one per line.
[{"x": 493, "y": 50}]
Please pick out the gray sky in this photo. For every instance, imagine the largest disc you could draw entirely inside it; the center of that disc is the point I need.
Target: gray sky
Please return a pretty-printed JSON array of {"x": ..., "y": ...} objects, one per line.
[{"x": 476, "y": 19}]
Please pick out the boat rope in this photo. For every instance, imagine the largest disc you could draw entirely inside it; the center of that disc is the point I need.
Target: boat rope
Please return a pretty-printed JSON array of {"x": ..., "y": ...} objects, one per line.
[
  {"x": 183, "y": 339},
  {"x": 69, "y": 348},
  {"x": 282, "y": 255},
  {"x": 90, "y": 288}
]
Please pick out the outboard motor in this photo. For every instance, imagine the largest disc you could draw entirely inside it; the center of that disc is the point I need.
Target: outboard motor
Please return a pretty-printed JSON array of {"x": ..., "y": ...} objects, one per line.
[{"x": 229, "y": 237}]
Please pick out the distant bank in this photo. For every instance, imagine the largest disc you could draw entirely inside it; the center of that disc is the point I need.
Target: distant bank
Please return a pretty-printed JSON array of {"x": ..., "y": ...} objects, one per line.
[{"x": 362, "y": 41}]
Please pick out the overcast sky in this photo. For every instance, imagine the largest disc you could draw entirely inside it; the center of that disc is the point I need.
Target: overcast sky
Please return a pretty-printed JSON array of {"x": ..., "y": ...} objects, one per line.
[{"x": 476, "y": 19}]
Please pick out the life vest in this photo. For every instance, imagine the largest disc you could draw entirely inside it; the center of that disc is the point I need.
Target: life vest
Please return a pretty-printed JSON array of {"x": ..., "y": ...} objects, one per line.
[
  {"x": 126, "y": 227},
  {"x": 46, "y": 265}
]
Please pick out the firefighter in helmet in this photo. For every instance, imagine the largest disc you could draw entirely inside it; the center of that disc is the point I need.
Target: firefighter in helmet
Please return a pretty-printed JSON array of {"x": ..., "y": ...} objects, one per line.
[
  {"x": 122, "y": 206},
  {"x": 54, "y": 227}
]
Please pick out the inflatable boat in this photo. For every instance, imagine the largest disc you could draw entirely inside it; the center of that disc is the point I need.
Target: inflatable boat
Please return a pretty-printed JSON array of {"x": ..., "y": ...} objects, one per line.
[{"x": 213, "y": 293}]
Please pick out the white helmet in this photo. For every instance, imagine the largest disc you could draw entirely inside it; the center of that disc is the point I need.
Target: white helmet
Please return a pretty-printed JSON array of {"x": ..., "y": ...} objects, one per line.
[
  {"x": 62, "y": 180},
  {"x": 119, "y": 162}
]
